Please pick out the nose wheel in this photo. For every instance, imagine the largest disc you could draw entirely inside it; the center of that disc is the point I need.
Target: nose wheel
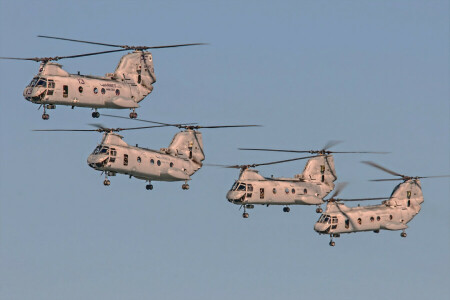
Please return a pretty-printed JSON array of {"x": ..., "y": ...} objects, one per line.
[
  {"x": 286, "y": 209},
  {"x": 319, "y": 210},
  {"x": 149, "y": 186},
  {"x": 185, "y": 186},
  {"x": 106, "y": 182},
  {"x": 403, "y": 234},
  {"x": 45, "y": 116}
]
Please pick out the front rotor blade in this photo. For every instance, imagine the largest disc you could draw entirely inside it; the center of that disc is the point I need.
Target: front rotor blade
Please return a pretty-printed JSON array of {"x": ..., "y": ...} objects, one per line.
[
  {"x": 224, "y": 126},
  {"x": 437, "y": 176},
  {"x": 65, "y": 130},
  {"x": 371, "y": 163},
  {"x": 274, "y": 150},
  {"x": 79, "y": 41},
  {"x": 23, "y": 58},
  {"x": 331, "y": 144},
  {"x": 282, "y": 161}
]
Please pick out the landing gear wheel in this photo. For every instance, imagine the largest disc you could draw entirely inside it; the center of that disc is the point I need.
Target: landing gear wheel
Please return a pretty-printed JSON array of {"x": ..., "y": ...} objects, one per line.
[
  {"x": 319, "y": 210},
  {"x": 133, "y": 115},
  {"x": 106, "y": 182},
  {"x": 45, "y": 116},
  {"x": 332, "y": 243},
  {"x": 245, "y": 215},
  {"x": 185, "y": 186},
  {"x": 403, "y": 234},
  {"x": 149, "y": 187},
  {"x": 95, "y": 114},
  {"x": 286, "y": 209}
]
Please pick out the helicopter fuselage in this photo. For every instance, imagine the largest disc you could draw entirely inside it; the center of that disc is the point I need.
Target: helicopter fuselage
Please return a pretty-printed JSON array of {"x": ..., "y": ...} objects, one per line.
[
  {"x": 392, "y": 214},
  {"x": 252, "y": 188},
  {"x": 114, "y": 156},
  {"x": 82, "y": 91}
]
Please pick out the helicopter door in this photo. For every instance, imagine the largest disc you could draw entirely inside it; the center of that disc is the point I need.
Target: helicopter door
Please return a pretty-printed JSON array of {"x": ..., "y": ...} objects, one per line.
[
  {"x": 113, "y": 154},
  {"x": 65, "y": 91}
]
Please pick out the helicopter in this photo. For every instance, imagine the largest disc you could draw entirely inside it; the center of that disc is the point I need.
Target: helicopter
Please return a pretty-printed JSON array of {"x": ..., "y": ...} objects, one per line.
[
  {"x": 130, "y": 83},
  {"x": 392, "y": 214},
  {"x": 308, "y": 188},
  {"x": 178, "y": 162}
]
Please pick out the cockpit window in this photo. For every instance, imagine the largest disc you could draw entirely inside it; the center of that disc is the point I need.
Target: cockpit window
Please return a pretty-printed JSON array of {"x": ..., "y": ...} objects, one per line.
[
  {"x": 34, "y": 81},
  {"x": 241, "y": 187},
  {"x": 326, "y": 219},
  {"x": 233, "y": 187},
  {"x": 101, "y": 150}
]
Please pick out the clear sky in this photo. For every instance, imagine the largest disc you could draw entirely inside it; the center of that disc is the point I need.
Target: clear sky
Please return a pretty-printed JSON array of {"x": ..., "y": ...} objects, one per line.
[{"x": 374, "y": 74}]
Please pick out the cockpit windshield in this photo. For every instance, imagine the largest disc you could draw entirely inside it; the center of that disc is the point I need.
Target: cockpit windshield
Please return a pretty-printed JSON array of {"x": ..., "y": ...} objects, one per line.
[
  {"x": 37, "y": 81},
  {"x": 239, "y": 186},
  {"x": 325, "y": 219},
  {"x": 101, "y": 150}
]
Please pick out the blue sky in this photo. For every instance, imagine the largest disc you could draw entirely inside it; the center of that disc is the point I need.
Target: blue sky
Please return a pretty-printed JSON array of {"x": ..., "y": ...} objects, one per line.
[{"x": 374, "y": 74}]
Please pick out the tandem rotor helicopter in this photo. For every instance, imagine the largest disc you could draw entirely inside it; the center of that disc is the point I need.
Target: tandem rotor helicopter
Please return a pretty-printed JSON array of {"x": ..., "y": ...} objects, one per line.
[
  {"x": 130, "y": 83},
  {"x": 392, "y": 214},
  {"x": 308, "y": 188},
  {"x": 178, "y": 162}
]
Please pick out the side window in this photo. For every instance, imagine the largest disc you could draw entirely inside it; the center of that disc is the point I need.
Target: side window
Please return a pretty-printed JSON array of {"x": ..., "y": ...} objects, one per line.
[
  {"x": 139, "y": 159},
  {"x": 80, "y": 89},
  {"x": 249, "y": 190},
  {"x": 293, "y": 191},
  {"x": 287, "y": 190},
  {"x": 65, "y": 91},
  {"x": 125, "y": 159},
  {"x": 305, "y": 191},
  {"x": 261, "y": 193},
  {"x": 347, "y": 223},
  {"x": 359, "y": 221},
  {"x": 113, "y": 153},
  {"x": 152, "y": 161},
  {"x": 158, "y": 162},
  {"x": 274, "y": 190},
  {"x": 103, "y": 91},
  {"x": 95, "y": 90}
]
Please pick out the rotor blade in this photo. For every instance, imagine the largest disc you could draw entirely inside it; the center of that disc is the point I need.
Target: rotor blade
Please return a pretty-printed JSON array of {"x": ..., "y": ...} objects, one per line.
[
  {"x": 147, "y": 121},
  {"x": 331, "y": 144},
  {"x": 56, "y": 58},
  {"x": 437, "y": 176},
  {"x": 222, "y": 126},
  {"x": 340, "y": 186},
  {"x": 256, "y": 165},
  {"x": 370, "y": 163},
  {"x": 78, "y": 41},
  {"x": 65, "y": 130},
  {"x": 101, "y": 129},
  {"x": 363, "y": 199},
  {"x": 392, "y": 179},
  {"x": 311, "y": 151},
  {"x": 281, "y": 161},
  {"x": 126, "y": 47}
]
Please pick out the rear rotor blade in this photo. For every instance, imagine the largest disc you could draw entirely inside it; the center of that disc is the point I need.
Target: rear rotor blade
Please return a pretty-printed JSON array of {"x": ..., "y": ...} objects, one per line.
[
  {"x": 340, "y": 186},
  {"x": 257, "y": 165},
  {"x": 331, "y": 144}
]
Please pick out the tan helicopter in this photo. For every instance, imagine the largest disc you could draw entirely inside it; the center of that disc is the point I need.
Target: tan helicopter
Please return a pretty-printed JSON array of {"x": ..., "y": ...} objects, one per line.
[
  {"x": 130, "y": 83},
  {"x": 307, "y": 188},
  {"x": 392, "y": 214},
  {"x": 178, "y": 162}
]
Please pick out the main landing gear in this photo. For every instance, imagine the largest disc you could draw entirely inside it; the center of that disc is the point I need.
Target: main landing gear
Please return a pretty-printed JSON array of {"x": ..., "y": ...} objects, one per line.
[
  {"x": 245, "y": 215},
  {"x": 403, "y": 234},
  {"x": 185, "y": 186},
  {"x": 149, "y": 186},
  {"x": 286, "y": 209},
  {"x": 133, "y": 114},
  {"x": 95, "y": 114},
  {"x": 333, "y": 243},
  {"x": 106, "y": 182},
  {"x": 46, "y": 116}
]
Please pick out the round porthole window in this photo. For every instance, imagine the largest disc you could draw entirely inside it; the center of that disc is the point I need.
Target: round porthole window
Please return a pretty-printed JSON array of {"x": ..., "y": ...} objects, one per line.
[
  {"x": 103, "y": 91},
  {"x": 274, "y": 190},
  {"x": 171, "y": 164},
  {"x": 139, "y": 159},
  {"x": 80, "y": 89},
  {"x": 95, "y": 90},
  {"x": 152, "y": 161},
  {"x": 117, "y": 92},
  {"x": 158, "y": 162}
]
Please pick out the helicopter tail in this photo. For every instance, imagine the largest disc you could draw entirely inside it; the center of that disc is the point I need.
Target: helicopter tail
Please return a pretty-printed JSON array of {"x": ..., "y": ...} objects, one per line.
[
  {"x": 320, "y": 170},
  {"x": 188, "y": 144},
  {"x": 137, "y": 68}
]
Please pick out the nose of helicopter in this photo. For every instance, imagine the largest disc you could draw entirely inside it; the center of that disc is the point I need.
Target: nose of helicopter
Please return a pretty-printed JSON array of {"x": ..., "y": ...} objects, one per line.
[
  {"x": 235, "y": 196},
  {"x": 320, "y": 227},
  {"x": 33, "y": 93},
  {"x": 96, "y": 160}
]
